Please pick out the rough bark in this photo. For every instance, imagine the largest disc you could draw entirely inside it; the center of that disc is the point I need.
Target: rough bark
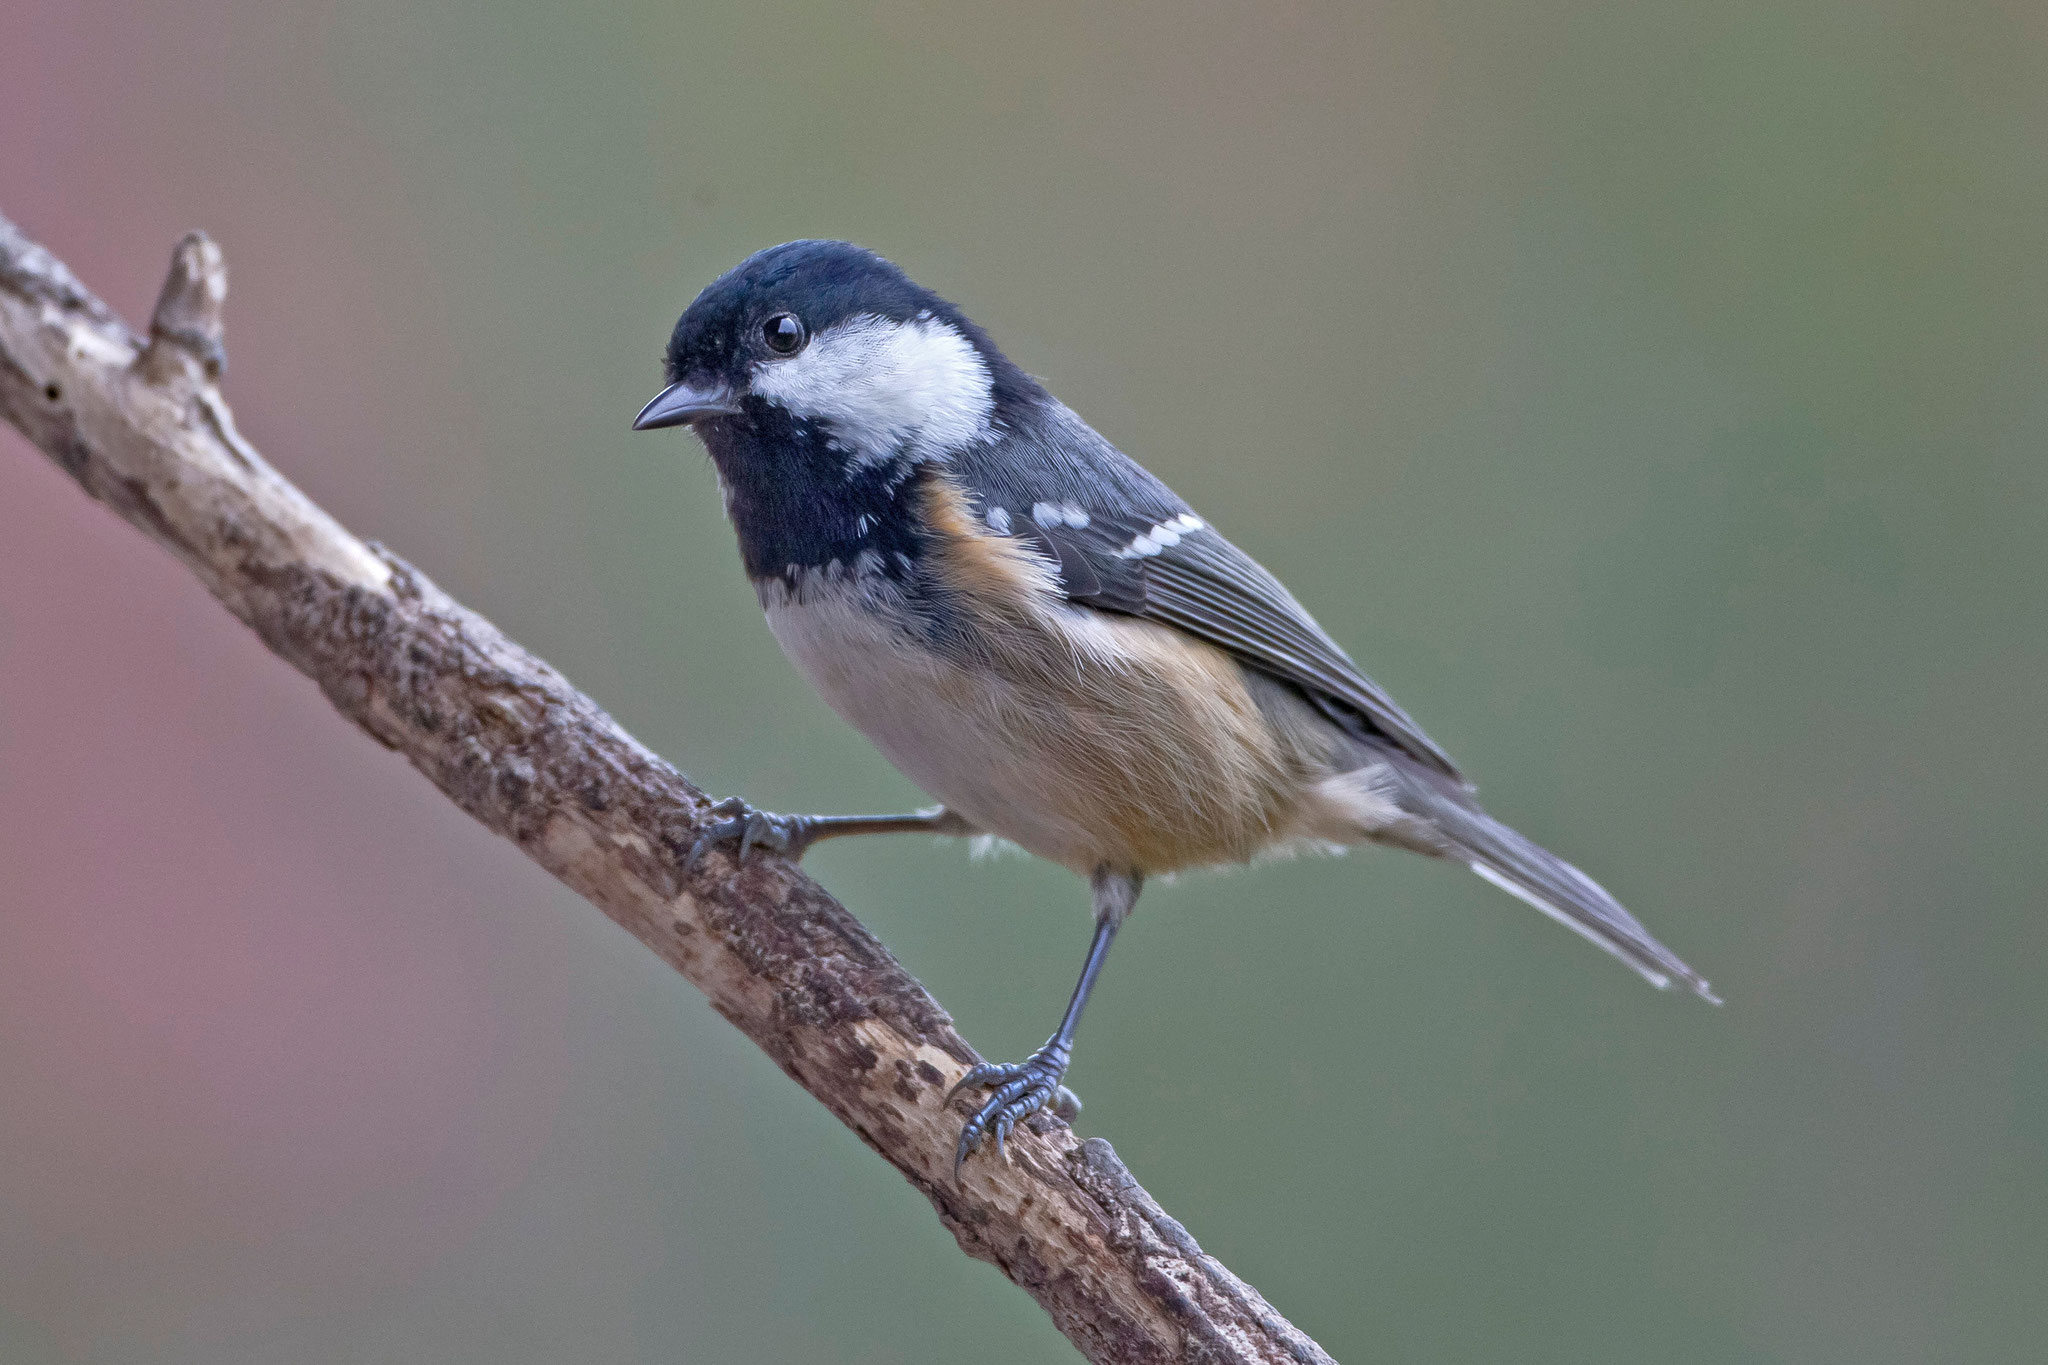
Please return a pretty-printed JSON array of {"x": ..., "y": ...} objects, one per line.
[{"x": 140, "y": 423}]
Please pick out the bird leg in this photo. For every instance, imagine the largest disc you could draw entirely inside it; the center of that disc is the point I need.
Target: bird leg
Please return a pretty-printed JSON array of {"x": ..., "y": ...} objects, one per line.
[
  {"x": 1023, "y": 1088},
  {"x": 790, "y": 835}
]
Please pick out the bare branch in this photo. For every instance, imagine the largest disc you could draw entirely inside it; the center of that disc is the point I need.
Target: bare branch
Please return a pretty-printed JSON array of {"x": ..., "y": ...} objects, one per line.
[{"x": 142, "y": 427}]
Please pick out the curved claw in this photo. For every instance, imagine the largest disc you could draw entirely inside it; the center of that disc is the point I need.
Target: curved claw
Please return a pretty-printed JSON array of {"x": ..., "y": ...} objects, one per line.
[
  {"x": 1021, "y": 1089},
  {"x": 979, "y": 1074},
  {"x": 788, "y": 835}
]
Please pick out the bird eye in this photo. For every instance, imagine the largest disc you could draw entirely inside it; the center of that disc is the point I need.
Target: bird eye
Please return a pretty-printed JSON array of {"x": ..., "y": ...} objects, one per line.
[{"x": 783, "y": 333}]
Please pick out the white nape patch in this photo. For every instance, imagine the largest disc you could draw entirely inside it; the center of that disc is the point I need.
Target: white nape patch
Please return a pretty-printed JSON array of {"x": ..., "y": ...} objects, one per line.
[
  {"x": 1649, "y": 974},
  {"x": 883, "y": 387},
  {"x": 999, "y": 521},
  {"x": 1159, "y": 537},
  {"x": 1051, "y": 514}
]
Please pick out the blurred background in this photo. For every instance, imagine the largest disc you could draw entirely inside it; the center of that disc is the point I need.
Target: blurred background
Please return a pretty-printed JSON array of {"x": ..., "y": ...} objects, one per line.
[{"x": 1650, "y": 395}]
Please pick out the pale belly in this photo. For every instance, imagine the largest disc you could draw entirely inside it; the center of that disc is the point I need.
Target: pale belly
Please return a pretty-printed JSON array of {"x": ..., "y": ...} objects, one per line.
[{"x": 1094, "y": 743}]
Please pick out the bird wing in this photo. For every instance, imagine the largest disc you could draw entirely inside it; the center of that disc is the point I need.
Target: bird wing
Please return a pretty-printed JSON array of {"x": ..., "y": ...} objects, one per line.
[
  {"x": 1124, "y": 542},
  {"x": 1182, "y": 572}
]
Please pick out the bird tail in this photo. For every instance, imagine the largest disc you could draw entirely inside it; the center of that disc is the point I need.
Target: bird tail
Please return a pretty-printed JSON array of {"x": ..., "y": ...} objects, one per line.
[{"x": 1534, "y": 874}]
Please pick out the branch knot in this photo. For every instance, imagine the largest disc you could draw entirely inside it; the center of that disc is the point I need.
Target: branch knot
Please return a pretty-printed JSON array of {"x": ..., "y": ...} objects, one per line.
[{"x": 188, "y": 311}]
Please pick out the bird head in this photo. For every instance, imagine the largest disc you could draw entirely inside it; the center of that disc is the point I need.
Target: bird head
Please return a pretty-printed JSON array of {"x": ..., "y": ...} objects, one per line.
[{"x": 830, "y": 341}]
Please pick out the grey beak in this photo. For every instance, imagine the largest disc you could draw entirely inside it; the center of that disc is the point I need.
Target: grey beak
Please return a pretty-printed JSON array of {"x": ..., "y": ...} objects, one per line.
[{"x": 684, "y": 402}]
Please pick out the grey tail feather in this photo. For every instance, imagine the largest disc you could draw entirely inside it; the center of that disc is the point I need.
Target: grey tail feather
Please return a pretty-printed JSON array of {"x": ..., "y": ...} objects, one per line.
[{"x": 1534, "y": 874}]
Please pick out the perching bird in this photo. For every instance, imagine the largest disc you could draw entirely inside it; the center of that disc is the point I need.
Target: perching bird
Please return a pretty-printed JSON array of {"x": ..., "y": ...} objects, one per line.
[{"x": 1038, "y": 632}]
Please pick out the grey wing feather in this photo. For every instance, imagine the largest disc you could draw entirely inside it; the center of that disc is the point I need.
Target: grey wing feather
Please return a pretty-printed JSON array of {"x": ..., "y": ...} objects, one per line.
[
  {"x": 1207, "y": 586},
  {"x": 1190, "y": 578}
]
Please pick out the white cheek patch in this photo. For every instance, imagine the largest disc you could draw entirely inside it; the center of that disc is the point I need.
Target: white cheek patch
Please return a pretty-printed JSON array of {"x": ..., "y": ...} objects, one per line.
[{"x": 883, "y": 387}]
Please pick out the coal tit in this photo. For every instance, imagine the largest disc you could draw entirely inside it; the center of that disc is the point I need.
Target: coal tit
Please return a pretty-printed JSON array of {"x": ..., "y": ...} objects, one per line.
[{"x": 1038, "y": 632}]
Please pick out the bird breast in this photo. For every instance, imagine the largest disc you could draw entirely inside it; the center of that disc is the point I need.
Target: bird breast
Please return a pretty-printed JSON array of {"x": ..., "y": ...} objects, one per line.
[{"x": 1086, "y": 738}]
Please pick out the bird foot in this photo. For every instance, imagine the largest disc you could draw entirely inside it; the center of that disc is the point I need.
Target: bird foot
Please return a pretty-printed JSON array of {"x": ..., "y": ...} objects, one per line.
[
  {"x": 1021, "y": 1089},
  {"x": 788, "y": 835}
]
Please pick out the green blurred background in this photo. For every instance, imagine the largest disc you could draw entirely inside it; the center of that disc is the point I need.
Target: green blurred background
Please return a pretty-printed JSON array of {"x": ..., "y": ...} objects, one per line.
[{"x": 1651, "y": 395}]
